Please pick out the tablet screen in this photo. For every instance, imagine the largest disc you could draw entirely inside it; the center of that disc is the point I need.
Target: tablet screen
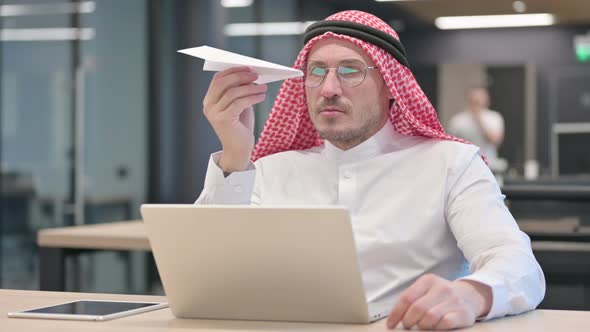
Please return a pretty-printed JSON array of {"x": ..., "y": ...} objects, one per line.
[{"x": 95, "y": 308}]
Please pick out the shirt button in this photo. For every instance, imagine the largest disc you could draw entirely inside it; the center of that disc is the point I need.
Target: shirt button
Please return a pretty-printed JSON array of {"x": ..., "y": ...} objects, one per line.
[
  {"x": 347, "y": 174},
  {"x": 238, "y": 189}
]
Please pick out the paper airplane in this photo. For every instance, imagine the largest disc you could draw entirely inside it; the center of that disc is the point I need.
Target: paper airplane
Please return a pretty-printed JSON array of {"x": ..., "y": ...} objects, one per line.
[{"x": 216, "y": 60}]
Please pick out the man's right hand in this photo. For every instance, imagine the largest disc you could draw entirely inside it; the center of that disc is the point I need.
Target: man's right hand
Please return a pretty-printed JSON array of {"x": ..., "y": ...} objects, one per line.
[{"x": 228, "y": 107}]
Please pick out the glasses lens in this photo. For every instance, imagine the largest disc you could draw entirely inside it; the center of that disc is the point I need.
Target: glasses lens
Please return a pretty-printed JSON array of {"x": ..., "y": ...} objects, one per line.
[
  {"x": 352, "y": 73},
  {"x": 315, "y": 76}
]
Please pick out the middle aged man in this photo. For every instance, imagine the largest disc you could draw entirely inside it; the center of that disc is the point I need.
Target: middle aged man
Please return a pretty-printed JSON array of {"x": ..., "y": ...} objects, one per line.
[{"x": 434, "y": 239}]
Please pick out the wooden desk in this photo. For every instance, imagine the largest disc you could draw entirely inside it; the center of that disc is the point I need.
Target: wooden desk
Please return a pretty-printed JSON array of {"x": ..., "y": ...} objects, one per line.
[
  {"x": 131, "y": 235},
  {"x": 163, "y": 320},
  {"x": 124, "y": 235},
  {"x": 56, "y": 244}
]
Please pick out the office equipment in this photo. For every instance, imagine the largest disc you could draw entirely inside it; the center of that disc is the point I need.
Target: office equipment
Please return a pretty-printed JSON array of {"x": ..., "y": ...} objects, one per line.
[
  {"x": 282, "y": 263},
  {"x": 571, "y": 155},
  {"x": 93, "y": 310}
]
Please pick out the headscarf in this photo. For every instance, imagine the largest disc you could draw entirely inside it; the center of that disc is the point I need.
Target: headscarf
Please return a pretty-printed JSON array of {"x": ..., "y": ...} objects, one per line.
[{"x": 289, "y": 125}]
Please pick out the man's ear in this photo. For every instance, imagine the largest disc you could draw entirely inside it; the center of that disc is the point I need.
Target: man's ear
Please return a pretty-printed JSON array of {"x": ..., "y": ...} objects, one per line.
[
  {"x": 391, "y": 102},
  {"x": 389, "y": 95}
]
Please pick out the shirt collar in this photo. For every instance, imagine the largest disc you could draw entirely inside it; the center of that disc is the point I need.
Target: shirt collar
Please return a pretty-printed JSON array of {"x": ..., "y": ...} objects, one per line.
[{"x": 377, "y": 144}]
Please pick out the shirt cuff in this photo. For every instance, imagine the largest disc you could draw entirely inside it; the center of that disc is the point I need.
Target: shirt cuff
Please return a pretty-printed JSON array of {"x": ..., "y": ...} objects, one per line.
[
  {"x": 500, "y": 305},
  {"x": 236, "y": 188}
]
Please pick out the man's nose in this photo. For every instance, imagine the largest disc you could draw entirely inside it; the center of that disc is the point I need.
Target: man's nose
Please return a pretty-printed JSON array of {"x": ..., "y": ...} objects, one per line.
[{"x": 331, "y": 86}]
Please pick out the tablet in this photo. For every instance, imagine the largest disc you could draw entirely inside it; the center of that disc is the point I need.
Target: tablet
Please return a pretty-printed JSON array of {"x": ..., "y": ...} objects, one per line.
[{"x": 94, "y": 310}]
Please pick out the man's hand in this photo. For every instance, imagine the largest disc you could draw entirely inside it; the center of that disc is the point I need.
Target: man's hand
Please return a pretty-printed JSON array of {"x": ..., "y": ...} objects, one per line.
[
  {"x": 433, "y": 303},
  {"x": 228, "y": 107},
  {"x": 494, "y": 137}
]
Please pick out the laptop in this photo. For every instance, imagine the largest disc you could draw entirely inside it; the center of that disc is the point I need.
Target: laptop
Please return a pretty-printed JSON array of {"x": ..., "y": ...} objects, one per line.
[{"x": 272, "y": 263}]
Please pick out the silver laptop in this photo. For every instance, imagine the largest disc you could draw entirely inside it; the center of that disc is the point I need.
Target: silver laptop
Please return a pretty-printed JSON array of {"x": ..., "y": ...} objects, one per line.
[{"x": 280, "y": 263}]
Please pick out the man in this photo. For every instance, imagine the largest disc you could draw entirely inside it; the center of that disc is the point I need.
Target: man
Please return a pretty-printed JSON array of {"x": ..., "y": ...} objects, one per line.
[
  {"x": 480, "y": 125},
  {"x": 434, "y": 239}
]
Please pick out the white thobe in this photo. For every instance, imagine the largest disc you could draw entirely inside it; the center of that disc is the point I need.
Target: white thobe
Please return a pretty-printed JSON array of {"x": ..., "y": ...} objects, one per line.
[{"x": 417, "y": 205}]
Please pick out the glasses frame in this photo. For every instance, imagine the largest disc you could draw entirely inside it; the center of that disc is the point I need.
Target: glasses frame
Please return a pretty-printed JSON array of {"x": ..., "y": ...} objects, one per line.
[{"x": 328, "y": 69}]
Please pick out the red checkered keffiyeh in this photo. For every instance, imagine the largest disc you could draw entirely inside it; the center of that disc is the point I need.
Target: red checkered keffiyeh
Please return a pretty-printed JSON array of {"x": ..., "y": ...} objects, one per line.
[{"x": 289, "y": 125}]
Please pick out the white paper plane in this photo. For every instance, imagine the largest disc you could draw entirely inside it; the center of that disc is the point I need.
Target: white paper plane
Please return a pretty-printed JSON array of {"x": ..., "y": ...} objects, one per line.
[{"x": 216, "y": 60}]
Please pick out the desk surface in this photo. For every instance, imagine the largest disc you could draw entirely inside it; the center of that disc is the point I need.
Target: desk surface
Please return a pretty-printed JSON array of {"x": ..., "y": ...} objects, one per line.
[
  {"x": 131, "y": 235},
  {"x": 125, "y": 235},
  {"x": 163, "y": 320}
]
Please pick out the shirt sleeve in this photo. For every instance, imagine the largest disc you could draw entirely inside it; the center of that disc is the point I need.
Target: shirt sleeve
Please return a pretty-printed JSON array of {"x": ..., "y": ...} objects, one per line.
[
  {"x": 494, "y": 121},
  {"x": 236, "y": 188},
  {"x": 499, "y": 253}
]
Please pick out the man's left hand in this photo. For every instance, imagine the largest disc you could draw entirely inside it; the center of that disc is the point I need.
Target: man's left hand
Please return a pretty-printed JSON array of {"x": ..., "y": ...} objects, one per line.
[{"x": 433, "y": 303}]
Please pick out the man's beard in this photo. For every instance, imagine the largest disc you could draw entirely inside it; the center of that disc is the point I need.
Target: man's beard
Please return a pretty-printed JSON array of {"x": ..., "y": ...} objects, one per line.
[{"x": 348, "y": 135}]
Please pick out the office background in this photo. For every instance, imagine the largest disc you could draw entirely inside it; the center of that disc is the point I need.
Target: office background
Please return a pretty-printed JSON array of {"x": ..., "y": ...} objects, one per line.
[{"x": 100, "y": 114}]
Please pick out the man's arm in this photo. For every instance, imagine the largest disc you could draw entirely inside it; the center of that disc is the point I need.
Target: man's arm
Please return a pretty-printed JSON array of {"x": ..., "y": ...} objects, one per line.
[
  {"x": 504, "y": 277},
  {"x": 492, "y": 128},
  {"x": 228, "y": 108},
  {"x": 499, "y": 253},
  {"x": 235, "y": 188}
]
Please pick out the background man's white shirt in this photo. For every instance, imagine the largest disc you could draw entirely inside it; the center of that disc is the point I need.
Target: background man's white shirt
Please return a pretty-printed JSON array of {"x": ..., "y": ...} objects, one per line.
[{"x": 463, "y": 125}]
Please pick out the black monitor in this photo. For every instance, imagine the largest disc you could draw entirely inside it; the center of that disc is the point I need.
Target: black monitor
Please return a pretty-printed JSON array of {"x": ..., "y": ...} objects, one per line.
[{"x": 574, "y": 153}]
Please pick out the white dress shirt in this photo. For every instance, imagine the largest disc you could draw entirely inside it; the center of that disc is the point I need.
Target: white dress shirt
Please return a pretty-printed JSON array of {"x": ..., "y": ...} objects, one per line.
[
  {"x": 464, "y": 125},
  {"x": 417, "y": 206}
]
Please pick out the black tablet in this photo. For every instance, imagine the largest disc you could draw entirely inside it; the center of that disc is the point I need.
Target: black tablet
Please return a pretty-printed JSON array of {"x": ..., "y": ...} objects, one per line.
[{"x": 94, "y": 310}]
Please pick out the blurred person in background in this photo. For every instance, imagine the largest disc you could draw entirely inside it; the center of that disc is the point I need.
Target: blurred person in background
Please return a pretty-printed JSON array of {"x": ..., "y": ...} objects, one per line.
[{"x": 481, "y": 126}]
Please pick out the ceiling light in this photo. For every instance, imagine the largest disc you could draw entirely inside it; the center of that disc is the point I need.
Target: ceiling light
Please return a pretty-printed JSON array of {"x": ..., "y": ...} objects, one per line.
[
  {"x": 46, "y": 34},
  {"x": 83, "y": 7},
  {"x": 493, "y": 21},
  {"x": 266, "y": 29},
  {"x": 236, "y": 3},
  {"x": 519, "y": 6}
]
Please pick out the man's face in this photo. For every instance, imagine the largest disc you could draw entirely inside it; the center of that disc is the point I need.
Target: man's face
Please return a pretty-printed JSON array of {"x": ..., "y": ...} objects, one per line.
[{"x": 345, "y": 116}]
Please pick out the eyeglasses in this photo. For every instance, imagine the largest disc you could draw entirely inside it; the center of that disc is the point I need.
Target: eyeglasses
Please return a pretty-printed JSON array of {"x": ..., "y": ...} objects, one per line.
[{"x": 349, "y": 73}]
